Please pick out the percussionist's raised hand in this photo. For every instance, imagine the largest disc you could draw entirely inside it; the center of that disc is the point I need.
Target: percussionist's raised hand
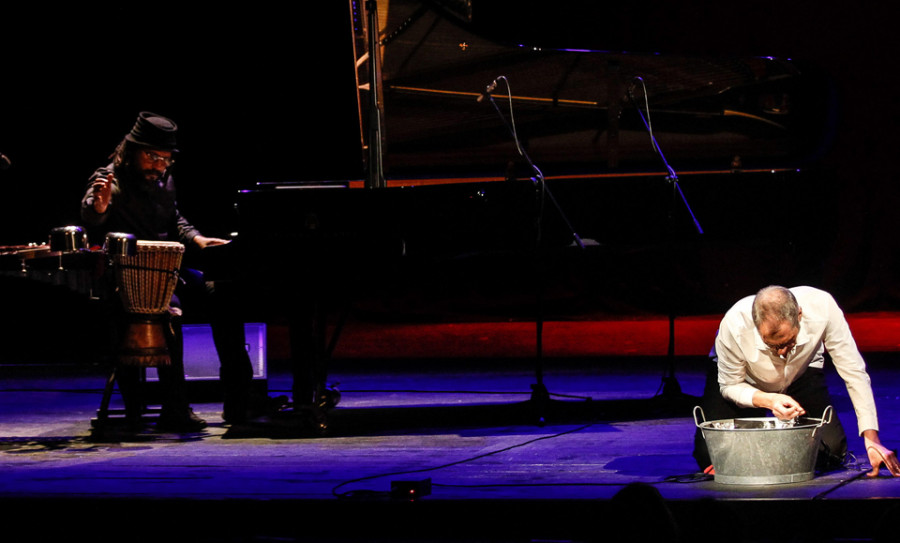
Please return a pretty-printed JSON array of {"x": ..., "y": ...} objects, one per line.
[
  {"x": 102, "y": 191},
  {"x": 879, "y": 454}
]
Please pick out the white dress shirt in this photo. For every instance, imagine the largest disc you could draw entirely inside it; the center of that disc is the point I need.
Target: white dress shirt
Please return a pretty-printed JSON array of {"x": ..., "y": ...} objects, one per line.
[{"x": 747, "y": 364}]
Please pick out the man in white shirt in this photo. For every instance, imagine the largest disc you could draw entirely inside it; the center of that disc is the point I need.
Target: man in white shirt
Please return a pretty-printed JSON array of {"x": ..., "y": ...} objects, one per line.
[{"x": 770, "y": 353}]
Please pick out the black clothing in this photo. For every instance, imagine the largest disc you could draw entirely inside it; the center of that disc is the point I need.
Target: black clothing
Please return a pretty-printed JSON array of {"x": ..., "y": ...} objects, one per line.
[
  {"x": 810, "y": 390},
  {"x": 149, "y": 211}
]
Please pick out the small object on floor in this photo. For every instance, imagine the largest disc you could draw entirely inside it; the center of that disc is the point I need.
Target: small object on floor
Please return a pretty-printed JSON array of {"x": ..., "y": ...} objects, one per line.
[{"x": 410, "y": 490}]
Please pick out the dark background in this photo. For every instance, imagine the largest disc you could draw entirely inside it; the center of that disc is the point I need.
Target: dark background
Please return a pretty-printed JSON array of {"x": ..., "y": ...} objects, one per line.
[
  {"x": 258, "y": 92},
  {"x": 264, "y": 92}
]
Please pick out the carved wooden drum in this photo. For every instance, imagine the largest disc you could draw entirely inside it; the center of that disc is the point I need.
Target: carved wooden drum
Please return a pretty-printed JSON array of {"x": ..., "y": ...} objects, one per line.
[{"x": 146, "y": 281}]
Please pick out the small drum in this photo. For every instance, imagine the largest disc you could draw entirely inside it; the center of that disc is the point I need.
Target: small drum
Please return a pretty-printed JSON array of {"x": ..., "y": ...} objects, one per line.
[
  {"x": 119, "y": 244},
  {"x": 68, "y": 239},
  {"x": 146, "y": 281}
]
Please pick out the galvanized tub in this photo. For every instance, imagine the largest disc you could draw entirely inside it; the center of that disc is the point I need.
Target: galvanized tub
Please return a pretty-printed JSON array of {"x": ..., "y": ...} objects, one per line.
[{"x": 762, "y": 450}]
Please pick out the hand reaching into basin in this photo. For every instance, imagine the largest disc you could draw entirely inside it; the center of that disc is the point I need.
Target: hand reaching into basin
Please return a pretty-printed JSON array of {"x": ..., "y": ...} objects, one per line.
[{"x": 781, "y": 405}]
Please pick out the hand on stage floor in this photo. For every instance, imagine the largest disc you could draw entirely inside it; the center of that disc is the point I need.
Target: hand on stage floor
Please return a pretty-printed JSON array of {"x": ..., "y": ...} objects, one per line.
[{"x": 879, "y": 454}]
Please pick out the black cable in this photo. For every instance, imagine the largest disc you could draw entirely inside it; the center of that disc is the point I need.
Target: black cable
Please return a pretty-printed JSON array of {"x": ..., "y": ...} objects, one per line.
[{"x": 364, "y": 493}]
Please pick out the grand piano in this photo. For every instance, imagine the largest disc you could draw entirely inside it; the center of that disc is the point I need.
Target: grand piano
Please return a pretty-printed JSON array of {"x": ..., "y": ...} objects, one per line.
[{"x": 578, "y": 185}]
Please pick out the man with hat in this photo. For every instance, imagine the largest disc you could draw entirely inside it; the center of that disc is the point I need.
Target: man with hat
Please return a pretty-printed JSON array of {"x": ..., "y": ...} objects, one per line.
[{"x": 135, "y": 194}]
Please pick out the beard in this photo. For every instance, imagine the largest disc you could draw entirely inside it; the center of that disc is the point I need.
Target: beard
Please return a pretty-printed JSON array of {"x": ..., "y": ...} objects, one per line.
[
  {"x": 151, "y": 176},
  {"x": 146, "y": 176}
]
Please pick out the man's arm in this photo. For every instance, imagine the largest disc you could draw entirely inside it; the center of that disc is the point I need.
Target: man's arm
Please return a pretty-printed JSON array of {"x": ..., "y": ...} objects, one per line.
[{"x": 733, "y": 370}]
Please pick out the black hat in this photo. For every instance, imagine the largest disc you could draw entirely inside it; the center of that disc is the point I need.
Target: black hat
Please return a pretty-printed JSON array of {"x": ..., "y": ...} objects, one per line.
[{"x": 154, "y": 131}]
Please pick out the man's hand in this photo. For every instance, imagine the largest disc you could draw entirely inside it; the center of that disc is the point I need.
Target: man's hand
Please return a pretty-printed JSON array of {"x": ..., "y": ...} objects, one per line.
[
  {"x": 203, "y": 242},
  {"x": 781, "y": 405},
  {"x": 879, "y": 454},
  {"x": 102, "y": 192}
]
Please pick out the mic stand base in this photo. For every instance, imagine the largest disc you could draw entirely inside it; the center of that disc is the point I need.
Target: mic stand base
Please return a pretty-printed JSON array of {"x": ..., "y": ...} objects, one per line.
[
  {"x": 540, "y": 403},
  {"x": 671, "y": 400},
  {"x": 540, "y": 398}
]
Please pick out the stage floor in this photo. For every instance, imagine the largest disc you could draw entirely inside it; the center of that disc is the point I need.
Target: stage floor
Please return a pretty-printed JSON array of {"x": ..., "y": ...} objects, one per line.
[{"x": 502, "y": 466}]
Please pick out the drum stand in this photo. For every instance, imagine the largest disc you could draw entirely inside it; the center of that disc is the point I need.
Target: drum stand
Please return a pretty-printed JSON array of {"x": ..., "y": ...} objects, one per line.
[{"x": 142, "y": 346}]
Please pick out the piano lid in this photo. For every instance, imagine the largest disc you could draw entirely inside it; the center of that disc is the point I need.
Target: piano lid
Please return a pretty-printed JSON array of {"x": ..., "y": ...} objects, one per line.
[{"x": 572, "y": 105}]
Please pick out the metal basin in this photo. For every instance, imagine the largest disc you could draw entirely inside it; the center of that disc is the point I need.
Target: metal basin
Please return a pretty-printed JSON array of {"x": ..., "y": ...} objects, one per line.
[{"x": 763, "y": 450}]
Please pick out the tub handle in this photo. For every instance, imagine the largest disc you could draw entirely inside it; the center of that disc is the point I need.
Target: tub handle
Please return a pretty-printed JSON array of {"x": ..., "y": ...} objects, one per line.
[
  {"x": 826, "y": 416},
  {"x": 826, "y": 419},
  {"x": 702, "y": 415}
]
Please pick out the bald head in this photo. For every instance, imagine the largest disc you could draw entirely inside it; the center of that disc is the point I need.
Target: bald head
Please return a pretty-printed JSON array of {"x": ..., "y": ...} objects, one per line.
[
  {"x": 776, "y": 315},
  {"x": 775, "y": 304}
]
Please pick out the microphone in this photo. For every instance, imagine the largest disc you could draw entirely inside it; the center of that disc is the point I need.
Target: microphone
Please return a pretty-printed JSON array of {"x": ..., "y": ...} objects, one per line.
[
  {"x": 487, "y": 91},
  {"x": 629, "y": 94}
]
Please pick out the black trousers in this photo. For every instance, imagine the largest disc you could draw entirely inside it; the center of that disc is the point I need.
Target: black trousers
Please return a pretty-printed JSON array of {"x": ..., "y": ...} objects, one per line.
[
  {"x": 810, "y": 390},
  {"x": 216, "y": 304},
  {"x": 201, "y": 300}
]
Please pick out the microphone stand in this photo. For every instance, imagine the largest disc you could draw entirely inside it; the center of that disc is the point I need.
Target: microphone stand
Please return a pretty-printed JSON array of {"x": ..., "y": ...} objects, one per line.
[
  {"x": 539, "y": 394},
  {"x": 669, "y": 387}
]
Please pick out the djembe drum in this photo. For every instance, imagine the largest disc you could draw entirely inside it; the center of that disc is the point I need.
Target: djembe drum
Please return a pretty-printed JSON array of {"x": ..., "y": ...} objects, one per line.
[{"x": 146, "y": 281}]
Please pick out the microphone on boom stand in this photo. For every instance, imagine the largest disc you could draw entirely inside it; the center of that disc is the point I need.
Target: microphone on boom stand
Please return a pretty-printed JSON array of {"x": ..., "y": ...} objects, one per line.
[
  {"x": 540, "y": 397},
  {"x": 670, "y": 389}
]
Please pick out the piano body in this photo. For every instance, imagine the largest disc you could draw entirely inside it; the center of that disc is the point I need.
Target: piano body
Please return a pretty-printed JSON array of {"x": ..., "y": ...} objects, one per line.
[{"x": 463, "y": 224}]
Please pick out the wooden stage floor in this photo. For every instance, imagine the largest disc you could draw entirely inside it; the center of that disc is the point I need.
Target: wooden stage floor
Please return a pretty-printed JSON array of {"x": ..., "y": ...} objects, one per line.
[{"x": 501, "y": 466}]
